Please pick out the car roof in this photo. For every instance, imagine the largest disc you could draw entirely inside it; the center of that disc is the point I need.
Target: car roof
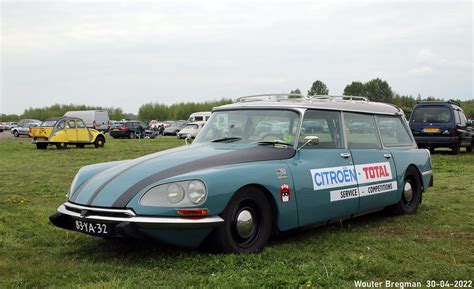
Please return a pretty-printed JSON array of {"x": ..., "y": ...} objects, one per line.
[{"x": 285, "y": 101}]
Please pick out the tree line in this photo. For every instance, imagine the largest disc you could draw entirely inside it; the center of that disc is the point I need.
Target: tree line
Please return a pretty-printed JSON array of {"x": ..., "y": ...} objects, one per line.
[
  {"x": 379, "y": 90},
  {"x": 375, "y": 90}
]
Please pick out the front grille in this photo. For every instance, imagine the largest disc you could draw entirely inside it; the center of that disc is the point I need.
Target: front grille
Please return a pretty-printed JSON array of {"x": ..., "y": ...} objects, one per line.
[{"x": 95, "y": 211}]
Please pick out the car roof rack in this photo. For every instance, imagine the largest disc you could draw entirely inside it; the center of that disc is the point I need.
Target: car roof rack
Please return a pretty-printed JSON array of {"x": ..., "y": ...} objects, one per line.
[
  {"x": 299, "y": 97},
  {"x": 450, "y": 101}
]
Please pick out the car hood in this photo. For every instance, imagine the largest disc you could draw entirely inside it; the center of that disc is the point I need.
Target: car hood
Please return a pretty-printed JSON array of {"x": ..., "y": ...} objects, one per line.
[{"x": 117, "y": 185}]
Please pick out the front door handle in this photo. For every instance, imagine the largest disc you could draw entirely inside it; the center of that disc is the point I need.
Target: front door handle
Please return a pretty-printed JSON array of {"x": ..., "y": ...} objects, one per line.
[
  {"x": 345, "y": 155},
  {"x": 387, "y": 156}
]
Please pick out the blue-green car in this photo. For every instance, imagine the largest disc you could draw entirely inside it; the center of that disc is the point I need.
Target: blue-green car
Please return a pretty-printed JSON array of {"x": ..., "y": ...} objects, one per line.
[{"x": 263, "y": 165}]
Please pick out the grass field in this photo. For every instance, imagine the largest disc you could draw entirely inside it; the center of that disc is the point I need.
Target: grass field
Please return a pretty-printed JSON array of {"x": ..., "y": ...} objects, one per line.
[{"x": 435, "y": 244}]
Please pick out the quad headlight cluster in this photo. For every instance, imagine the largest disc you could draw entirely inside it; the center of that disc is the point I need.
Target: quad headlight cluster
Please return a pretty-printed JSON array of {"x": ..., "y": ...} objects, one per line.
[{"x": 176, "y": 194}]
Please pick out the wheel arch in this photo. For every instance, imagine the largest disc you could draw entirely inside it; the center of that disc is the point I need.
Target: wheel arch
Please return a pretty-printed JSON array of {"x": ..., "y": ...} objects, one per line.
[
  {"x": 271, "y": 200},
  {"x": 418, "y": 177}
]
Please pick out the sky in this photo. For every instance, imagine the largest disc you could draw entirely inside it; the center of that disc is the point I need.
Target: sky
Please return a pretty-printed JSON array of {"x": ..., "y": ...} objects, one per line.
[{"x": 125, "y": 54}]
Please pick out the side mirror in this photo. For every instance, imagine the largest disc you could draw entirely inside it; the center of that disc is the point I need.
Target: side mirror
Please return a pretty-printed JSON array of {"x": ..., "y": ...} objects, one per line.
[{"x": 309, "y": 140}]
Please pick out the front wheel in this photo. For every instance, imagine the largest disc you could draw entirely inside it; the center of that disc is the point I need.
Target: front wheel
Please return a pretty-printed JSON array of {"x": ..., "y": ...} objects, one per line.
[
  {"x": 16, "y": 133},
  {"x": 247, "y": 223},
  {"x": 99, "y": 142},
  {"x": 411, "y": 195}
]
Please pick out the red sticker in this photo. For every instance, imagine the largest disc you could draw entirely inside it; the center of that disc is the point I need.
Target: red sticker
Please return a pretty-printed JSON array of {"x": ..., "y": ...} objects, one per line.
[{"x": 285, "y": 192}]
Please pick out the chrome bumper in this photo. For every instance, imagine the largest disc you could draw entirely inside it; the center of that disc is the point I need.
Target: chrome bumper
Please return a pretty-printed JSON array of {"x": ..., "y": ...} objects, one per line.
[{"x": 127, "y": 215}]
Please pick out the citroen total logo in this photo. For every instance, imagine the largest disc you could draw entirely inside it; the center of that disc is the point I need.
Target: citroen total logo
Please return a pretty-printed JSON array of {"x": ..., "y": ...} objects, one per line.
[{"x": 84, "y": 213}]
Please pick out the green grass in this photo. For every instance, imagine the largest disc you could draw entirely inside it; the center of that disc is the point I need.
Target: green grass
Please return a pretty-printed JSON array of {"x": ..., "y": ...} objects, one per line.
[{"x": 436, "y": 243}]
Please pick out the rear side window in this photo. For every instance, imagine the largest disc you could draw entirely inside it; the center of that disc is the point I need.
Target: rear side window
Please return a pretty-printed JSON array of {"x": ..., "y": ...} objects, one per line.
[
  {"x": 393, "y": 132},
  {"x": 432, "y": 114},
  {"x": 361, "y": 131}
]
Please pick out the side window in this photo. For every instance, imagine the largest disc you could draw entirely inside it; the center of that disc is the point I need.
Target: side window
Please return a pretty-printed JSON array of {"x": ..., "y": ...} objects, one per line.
[
  {"x": 462, "y": 118},
  {"x": 61, "y": 124},
  {"x": 198, "y": 118},
  {"x": 361, "y": 131},
  {"x": 71, "y": 124},
  {"x": 324, "y": 124},
  {"x": 392, "y": 131},
  {"x": 80, "y": 124}
]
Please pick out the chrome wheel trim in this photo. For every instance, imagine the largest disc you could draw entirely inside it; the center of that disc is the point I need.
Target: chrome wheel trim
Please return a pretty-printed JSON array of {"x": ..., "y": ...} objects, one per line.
[
  {"x": 245, "y": 224},
  {"x": 408, "y": 192}
]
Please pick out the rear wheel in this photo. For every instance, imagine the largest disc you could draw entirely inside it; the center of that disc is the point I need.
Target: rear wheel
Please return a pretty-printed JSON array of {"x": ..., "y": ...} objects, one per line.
[
  {"x": 61, "y": 146},
  {"x": 131, "y": 135},
  {"x": 247, "y": 223},
  {"x": 411, "y": 195},
  {"x": 456, "y": 149},
  {"x": 99, "y": 142},
  {"x": 41, "y": 146},
  {"x": 469, "y": 148}
]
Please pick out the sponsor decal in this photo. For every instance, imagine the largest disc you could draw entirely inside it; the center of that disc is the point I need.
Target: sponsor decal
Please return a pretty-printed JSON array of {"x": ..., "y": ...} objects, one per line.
[
  {"x": 344, "y": 194},
  {"x": 285, "y": 192},
  {"x": 377, "y": 189},
  {"x": 368, "y": 173},
  {"x": 333, "y": 177},
  {"x": 281, "y": 173}
]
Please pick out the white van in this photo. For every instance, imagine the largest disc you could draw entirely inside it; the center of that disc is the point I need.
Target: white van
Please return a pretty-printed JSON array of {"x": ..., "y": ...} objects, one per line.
[
  {"x": 199, "y": 116},
  {"x": 97, "y": 119}
]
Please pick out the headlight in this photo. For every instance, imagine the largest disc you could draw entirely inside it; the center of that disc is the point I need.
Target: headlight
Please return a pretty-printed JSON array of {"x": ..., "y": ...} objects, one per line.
[
  {"x": 176, "y": 194},
  {"x": 196, "y": 191}
]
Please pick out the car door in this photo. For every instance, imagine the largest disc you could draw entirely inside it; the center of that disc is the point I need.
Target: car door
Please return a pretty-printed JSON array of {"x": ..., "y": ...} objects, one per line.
[
  {"x": 83, "y": 134},
  {"x": 323, "y": 174},
  {"x": 71, "y": 131},
  {"x": 374, "y": 166}
]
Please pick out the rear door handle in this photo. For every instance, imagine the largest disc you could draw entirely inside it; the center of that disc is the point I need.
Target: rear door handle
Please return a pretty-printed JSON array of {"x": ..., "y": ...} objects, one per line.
[
  {"x": 345, "y": 155},
  {"x": 387, "y": 156}
]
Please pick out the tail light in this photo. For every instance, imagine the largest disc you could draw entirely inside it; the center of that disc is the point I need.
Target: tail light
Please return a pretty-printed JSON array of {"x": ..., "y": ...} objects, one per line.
[
  {"x": 123, "y": 127},
  {"x": 454, "y": 132}
]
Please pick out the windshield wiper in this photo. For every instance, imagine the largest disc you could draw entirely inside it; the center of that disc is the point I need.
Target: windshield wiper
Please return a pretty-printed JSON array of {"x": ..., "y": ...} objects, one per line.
[
  {"x": 274, "y": 143},
  {"x": 226, "y": 139}
]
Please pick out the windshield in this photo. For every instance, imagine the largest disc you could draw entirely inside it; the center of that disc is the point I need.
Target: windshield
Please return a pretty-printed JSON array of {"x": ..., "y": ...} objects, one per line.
[
  {"x": 118, "y": 124},
  {"x": 250, "y": 126},
  {"x": 433, "y": 114}
]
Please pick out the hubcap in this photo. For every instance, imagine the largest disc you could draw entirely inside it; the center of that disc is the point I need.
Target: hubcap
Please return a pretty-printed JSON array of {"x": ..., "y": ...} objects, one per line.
[
  {"x": 408, "y": 192},
  {"x": 245, "y": 224}
]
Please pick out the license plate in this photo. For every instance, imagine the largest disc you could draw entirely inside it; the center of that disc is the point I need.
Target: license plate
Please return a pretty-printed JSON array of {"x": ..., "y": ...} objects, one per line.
[
  {"x": 93, "y": 228},
  {"x": 431, "y": 129}
]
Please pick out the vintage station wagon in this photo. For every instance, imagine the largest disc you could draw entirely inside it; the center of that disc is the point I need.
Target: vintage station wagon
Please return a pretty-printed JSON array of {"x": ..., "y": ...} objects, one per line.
[{"x": 268, "y": 163}]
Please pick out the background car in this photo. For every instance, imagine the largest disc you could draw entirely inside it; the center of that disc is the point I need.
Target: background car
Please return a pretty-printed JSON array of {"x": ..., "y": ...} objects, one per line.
[
  {"x": 127, "y": 129},
  {"x": 191, "y": 129},
  {"x": 174, "y": 127},
  {"x": 96, "y": 119},
  {"x": 436, "y": 124},
  {"x": 23, "y": 126}
]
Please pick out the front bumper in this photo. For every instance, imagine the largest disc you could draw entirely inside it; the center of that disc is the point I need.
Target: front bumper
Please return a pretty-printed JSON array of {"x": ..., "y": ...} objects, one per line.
[{"x": 68, "y": 212}]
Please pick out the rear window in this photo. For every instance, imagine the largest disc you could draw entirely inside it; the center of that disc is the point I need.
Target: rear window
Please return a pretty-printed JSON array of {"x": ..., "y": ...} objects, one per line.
[
  {"x": 118, "y": 124},
  {"x": 432, "y": 114},
  {"x": 48, "y": 123}
]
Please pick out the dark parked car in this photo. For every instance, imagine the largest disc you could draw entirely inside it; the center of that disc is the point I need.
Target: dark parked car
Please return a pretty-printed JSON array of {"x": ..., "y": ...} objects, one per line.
[
  {"x": 174, "y": 127},
  {"x": 436, "y": 124},
  {"x": 127, "y": 129}
]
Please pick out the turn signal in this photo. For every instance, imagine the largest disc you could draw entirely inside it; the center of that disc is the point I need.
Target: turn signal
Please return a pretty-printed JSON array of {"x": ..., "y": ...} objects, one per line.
[{"x": 192, "y": 212}]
